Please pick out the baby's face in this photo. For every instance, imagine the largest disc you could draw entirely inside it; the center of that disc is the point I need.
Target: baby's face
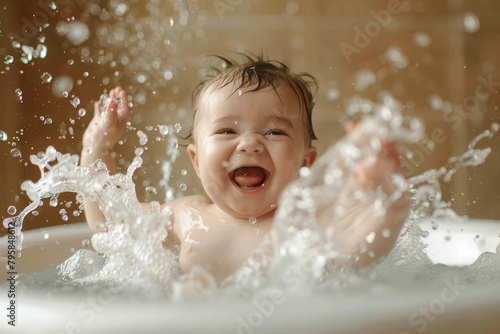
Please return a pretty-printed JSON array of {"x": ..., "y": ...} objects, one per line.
[{"x": 248, "y": 146}]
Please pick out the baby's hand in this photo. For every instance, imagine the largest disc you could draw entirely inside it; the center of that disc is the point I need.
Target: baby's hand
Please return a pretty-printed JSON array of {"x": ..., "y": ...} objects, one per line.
[
  {"x": 108, "y": 124},
  {"x": 378, "y": 170}
]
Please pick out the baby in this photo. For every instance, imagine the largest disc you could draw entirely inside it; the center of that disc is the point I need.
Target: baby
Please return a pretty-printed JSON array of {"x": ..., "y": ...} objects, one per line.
[{"x": 252, "y": 133}]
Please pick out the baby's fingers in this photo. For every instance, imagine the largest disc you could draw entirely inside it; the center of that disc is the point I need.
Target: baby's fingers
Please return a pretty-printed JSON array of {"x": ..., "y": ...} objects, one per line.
[{"x": 123, "y": 107}]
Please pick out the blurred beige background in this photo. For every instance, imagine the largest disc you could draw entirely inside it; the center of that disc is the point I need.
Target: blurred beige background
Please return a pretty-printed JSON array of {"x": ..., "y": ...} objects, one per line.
[{"x": 439, "y": 58}]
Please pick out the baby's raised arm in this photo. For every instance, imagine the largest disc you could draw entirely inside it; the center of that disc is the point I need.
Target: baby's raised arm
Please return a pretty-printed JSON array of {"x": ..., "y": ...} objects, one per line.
[
  {"x": 101, "y": 135},
  {"x": 363, "y": 222}
]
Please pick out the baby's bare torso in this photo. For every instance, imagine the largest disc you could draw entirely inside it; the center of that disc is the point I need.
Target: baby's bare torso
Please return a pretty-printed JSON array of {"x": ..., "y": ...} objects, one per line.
[{"x": 217, "y": 242}]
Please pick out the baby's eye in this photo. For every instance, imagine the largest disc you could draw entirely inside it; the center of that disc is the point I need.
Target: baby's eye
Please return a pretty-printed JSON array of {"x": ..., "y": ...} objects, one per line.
[
  {"x": 275, "y": 132},
  {"x": 226, "y": 132}
]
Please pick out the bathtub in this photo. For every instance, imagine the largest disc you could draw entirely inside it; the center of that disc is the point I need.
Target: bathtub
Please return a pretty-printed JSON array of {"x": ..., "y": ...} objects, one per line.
[{"x": 452, "y": 243}]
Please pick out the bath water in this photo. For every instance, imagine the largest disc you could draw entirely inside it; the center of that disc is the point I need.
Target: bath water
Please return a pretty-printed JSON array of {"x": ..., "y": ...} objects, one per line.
[{"x": 296, "y": 256}]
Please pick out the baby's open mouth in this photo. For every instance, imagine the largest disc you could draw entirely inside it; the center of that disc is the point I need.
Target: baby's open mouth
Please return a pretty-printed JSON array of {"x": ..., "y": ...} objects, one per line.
[{"x": 249, "y": 177}]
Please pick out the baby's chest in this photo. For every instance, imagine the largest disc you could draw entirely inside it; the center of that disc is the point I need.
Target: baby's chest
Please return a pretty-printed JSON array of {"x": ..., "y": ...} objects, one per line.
[{"x": 218, "y": 249}]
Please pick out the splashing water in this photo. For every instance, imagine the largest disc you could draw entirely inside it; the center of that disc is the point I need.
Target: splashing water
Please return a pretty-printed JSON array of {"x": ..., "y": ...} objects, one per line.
[
  {"x": 297, "y": 239},
  {"x": 132, "y": 250}
]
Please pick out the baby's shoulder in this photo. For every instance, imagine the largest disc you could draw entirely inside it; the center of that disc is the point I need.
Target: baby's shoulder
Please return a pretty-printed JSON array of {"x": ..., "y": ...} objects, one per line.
[{"x": 195, "y": 201}]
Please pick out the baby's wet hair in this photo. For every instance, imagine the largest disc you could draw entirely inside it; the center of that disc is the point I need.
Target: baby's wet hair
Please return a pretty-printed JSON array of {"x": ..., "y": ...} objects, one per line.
[{"x": 256, "y": 72}]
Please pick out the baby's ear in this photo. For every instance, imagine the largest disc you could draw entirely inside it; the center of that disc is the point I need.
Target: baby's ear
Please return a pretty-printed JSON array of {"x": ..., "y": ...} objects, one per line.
[
  {"x": 310, "y": 156},
  {"x": 194, "y": 159}
]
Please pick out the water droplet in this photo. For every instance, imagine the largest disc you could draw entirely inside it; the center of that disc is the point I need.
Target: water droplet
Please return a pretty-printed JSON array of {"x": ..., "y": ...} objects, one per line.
[
  {"x": 11, "y": 210},
  {"x": 183, "y": 186},
  {"x": 364, "y": 78},
  {"x": 177, "y": 127},
  {"x": 256, "y": 231},
  {"x": 62, "y": 85},
  {"x": 422, "y": 39},
  {"x": 143, "y": 138},
  {"x": 46, "y": 77},
  {"x": 139, "y": 151},
  {"x": 184, "y": 172},
  {"x": 163, "y": 129},
  {"x": 386, "y": 233},
  {"x": 35, "y": 213},
  {"x": 273, "y": 206},
  {"x": 47, "y": 121},
  {"x": 168, "y": 75},
  {"x": 8, "y": 59},
  {"x": 121, "y": 9},
  {"x": 82, "y": 112},
  {"x": 471, "y": 22},
  {"x": 396, "y": 57},
  {"x": 332, "y": 94},
  {"x": 19, "y": 94},
  {"x": 53, "y": 201},
  {"x": 86, "y": 243},
  {"x": 370, "y": 237},
  {"x": 76, "y": 213},
  {"x": 75, "y": 101},
  {"x": 41, "y": 51},
  {"x": 45, "y": 235},
  {"x": 252, "y": 220},
  {"x": 3, "y": 136},
  {"x": 76, "y": 32},
  {"x": 292, "y": 7},
  {"x": 15, "y": 153},
  {"x": 117, "y": 100},
  {"x": 151, "y": 190}
]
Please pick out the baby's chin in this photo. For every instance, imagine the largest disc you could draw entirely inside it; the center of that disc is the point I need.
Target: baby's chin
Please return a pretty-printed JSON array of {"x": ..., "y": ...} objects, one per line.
[{"x": 251, "y": 214}]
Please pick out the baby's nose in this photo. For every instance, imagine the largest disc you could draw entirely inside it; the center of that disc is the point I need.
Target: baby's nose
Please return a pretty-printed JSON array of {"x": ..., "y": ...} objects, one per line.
[{"x": 250, "y": 143}]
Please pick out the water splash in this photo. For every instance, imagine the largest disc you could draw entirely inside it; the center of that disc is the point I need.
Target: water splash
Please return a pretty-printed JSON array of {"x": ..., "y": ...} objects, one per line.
[{"x": 426, "y": 187}]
